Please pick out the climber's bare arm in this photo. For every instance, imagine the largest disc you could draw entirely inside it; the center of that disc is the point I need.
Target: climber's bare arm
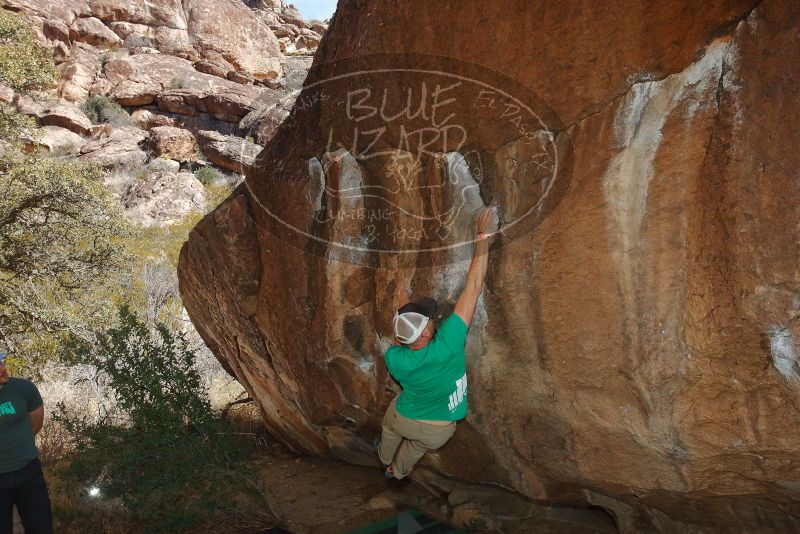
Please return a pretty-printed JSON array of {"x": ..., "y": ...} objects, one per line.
[{"x": 465, "y": 306}]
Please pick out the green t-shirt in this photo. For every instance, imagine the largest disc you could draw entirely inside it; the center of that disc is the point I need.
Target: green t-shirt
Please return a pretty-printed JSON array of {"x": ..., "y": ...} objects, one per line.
[
  {"x": 434, "y": 378},
  {"x": 17, "y": 446}
]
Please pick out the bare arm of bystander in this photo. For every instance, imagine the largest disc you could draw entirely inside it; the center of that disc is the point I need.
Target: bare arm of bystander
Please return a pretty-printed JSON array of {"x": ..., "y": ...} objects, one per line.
[{"x": 37, "y": 419}]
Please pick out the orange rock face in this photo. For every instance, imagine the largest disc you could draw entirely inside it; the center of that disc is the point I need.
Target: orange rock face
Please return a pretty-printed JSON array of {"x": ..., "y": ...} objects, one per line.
[{"x": 636, "y": 343}]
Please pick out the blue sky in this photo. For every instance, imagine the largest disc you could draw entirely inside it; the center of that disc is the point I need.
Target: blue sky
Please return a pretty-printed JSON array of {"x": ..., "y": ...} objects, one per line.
[{"x": 315, "y": 9}]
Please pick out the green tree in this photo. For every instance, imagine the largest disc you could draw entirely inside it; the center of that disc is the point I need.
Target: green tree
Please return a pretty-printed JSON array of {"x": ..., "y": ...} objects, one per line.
[
  {"x": 24, "y": 67},
  {"x": 160, "y": 449},
  {"x": 59, "y": 226},
  {"x": 59, "y": 247}
]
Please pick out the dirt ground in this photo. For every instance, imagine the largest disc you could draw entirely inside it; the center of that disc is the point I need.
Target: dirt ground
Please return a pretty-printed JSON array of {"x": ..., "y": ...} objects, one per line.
[
  {"x": 306, "y": 494},
  {"x": 318, "y": 496},
  {"x": 322, "y": 496}
]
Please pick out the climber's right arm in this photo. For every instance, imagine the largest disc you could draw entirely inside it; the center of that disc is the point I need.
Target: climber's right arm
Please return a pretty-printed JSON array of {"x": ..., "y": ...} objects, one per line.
[{"x": 468, "y": 301}]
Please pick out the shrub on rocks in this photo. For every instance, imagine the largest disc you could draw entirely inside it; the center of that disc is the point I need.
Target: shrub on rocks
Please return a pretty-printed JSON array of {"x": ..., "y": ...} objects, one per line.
[
  {"x": 206, "y": 175},
  {"x": 103, "y": 110}
]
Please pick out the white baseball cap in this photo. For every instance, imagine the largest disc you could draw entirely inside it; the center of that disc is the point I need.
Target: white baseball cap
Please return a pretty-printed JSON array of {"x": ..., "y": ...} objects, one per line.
[{"x": 408, "y": 326}]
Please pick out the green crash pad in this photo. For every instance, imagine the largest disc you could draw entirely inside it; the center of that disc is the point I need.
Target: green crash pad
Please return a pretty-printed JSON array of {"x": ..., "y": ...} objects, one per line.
[{"x": 411, "y": 522}]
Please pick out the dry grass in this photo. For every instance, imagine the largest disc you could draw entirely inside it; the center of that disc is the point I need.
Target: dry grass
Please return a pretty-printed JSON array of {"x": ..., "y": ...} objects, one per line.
[{"x": 77, "y": 513}]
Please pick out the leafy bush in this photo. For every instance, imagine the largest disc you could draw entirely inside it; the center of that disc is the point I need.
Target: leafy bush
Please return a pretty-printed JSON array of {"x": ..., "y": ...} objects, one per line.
[
  {"x": 59, "y": 226},
  {"x": 24, "y": 65},
  {"x": 134, "y": 40},
  {"x": 101, "y": 109},
  {"x": 207, "y": 175},
  {"x": 59, "y": 251},
  {"x": 165, "y": 454},
  {"x": 177, "y": 83}
]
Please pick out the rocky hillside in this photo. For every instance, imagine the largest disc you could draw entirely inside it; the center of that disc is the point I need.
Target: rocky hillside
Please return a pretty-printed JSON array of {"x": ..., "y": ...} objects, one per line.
[
  {"x": 635, "y": 348},
  {"x": 155, "y": 91}
]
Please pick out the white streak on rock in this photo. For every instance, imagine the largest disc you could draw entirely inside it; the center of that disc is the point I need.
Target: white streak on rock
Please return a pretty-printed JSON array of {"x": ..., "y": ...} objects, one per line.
[
  {"x": 638, "y": 134},
  {"x": 350, "y": 178},
  {"x": 344, "y": 182},
  {"x": 365, "y": 366},
  {"x": 464, "y": 193},
  {"x": 465, "y": 200},
  {"x": 316, "y": 183},
  {"x": 784, "y": 353},
  {"x": 638, "y": 127}
]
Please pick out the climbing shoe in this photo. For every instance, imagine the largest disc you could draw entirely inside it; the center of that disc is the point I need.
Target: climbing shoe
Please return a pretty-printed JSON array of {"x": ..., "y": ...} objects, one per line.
[
  {"x": 393, "y": 482},
  {"x": 397, "y": 483}
]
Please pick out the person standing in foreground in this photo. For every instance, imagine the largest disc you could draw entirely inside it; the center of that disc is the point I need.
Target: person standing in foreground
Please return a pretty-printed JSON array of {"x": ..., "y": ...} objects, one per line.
[
  {"x": 430, "y": 366},
  {"x": 21, "y": 478}
]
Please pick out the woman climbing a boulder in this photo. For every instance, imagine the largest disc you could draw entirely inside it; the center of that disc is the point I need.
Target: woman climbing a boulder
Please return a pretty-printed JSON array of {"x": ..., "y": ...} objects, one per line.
[{"x": 430, "y": 365}]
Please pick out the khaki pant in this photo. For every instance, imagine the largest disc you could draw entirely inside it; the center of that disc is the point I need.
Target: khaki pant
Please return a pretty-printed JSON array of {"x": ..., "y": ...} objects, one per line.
[{"x": 405, "y": 441}]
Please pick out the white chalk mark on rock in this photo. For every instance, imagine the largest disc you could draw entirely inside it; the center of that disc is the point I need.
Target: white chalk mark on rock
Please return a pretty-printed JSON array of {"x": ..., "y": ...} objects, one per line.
[
  {"x": 784, "y": 353},
  {"x": 638, "y": 134},
  {"x": 638, "y": 127}
]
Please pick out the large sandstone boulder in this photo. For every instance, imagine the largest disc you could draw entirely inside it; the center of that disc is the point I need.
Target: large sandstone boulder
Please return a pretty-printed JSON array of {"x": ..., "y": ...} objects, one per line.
[
  {"x": 57, "y": 140},
  {"x": 233, "y": 102},
  {"x": 292, "y": 16},
  {"x": 157, "y": 13},
  {"x": 228, "y": 151},
  {"x": 163, "y": 164},
  {"x": 229, "y": 28},
  {"x": 228, "y": 103},
  {"x": 308, "y": 41},
  {"x": 636, "y": 344},
  {"x": 150, "y": 117},
  {"x": 193, "y": 30},
  {"x": 214, "y": 69},
  {"x": 27, "y": 105},
  {"x": 143, "y": 79},
  {"x": 164, "y": 198},
  {"x": 55, "y": 30},
  {"x": 65, "y": 11},
  {"x": 294, "y": 33},
  {"x": 91, "y": 30},
  {"x": 181, "y": 101},
  {"x": 145, "y": 119},
  {"x": 318, "y": 27},
  {"x": 78, "y": 72},
  {"x": 65, "y": 115},
  {"x": 172, "y": 142},
  {"x": 116, "y": 148}
]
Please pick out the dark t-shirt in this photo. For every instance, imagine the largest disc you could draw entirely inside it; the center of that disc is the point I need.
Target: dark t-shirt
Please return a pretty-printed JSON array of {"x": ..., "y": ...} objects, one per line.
[
  {"x": 434, "y": 378},
  {"x": 18, "y": 398}
]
